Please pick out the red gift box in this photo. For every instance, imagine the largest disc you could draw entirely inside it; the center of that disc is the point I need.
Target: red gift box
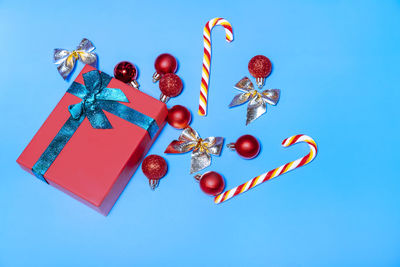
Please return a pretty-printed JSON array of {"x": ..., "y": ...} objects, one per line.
[{"x": 95, "y": 165}]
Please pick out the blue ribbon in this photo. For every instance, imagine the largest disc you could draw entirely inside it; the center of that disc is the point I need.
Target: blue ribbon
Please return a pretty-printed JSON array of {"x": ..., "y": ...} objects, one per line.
[{"x": 96, "y": 97}]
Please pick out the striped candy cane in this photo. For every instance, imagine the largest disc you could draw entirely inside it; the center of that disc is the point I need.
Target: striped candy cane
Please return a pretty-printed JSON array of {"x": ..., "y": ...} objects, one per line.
[
  {"x": 205, "y": 74},
  {"x": 275, "y": 172}
]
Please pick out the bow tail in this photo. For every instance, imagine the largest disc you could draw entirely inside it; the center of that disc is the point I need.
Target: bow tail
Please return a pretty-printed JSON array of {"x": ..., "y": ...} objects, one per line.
[
  {"x": 66, "y": 66},
  {"x": 239, "y": 99},
  {"x": 255, "y": 109},
  {"x": 200, "y": 160},
  {"x": 98, "y": 119}
]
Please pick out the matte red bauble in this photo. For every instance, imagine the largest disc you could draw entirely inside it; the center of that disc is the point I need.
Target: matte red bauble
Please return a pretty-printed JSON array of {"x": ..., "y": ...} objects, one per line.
[
  {"x": 165, "y": 63},
  {"x": 154, "y": 167},
  {"x": 170, "y": 85},
  {"x": 126, "y": 72},
  {"x": 179, "y": 117},
  {"x": 211, "y": 183},
  {"x": 247, "y": 146},
  {"x": 260, "y": 67}
]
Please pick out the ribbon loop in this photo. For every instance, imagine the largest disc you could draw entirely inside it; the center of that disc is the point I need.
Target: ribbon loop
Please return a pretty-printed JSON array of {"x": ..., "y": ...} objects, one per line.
[
  {"x": 76, "y": 110},
  {"x": 271, "y": 96},
  {"x": 189, "y": 135},
  {"x": 78, "y": 90},
  {"x": 244, "y": 85}
]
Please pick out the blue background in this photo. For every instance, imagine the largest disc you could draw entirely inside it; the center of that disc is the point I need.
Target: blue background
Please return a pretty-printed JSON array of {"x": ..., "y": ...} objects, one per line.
[{"x": 337, "y": 64}]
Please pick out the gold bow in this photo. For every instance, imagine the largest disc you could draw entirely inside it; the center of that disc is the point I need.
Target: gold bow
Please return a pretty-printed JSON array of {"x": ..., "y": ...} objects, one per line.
[
  {"x": 202, "y": 148},
  {"x": 66, "y": 60},
  {"x": 257, "y": 100}
]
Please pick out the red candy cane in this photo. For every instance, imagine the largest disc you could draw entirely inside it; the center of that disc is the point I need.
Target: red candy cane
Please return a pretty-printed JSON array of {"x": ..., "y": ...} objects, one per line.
[
  {"x": 275, "y": 172},
  {"x": 205, "y": 73}
]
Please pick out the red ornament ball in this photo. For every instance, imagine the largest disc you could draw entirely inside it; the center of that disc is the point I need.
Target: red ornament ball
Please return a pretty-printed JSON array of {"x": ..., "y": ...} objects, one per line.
[
  {"x": 125, "y": 72},
  {"x": 212, "y": 183},
  {"x": 179, "y": 117},
  {"x": 247, "y": 146},
  {"x": 171, "y": 85},
  {"x": 154, "y": 167},
  {"x": 166, "y": 63},
  {"x": 260, "y": 66}
]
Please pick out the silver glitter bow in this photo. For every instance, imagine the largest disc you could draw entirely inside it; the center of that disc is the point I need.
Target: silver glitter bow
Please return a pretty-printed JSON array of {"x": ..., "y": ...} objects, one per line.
[
  {"x": 66, "y": 60},
  {"x": 257, "y": 100},
  {"x": 202, "y": 148}
]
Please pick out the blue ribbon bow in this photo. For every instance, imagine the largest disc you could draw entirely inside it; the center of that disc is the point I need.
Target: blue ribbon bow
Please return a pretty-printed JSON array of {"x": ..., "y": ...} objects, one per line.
[{"x": 96, "y": 97}]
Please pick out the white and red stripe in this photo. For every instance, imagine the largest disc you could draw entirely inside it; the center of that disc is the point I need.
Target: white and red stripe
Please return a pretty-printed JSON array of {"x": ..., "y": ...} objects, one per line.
[
  {"x": 275, "y": 172},
  {"x": 205, "y": 73}
]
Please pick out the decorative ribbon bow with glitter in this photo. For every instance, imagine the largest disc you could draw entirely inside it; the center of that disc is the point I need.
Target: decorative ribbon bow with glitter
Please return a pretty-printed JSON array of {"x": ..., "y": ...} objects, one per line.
[
  {"x": 66, "y": 60},
  {"x": 96, "y": 97},
  {"x": 257, "y": 100},
  {"x": 202, "y": 148}
]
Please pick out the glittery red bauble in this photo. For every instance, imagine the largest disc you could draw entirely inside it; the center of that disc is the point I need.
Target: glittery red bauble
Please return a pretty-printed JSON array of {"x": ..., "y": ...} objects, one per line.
[
  {"x": 125, "y": 72},
  {"x": 171, "y": 85},
  {"x": 154, "y": 167},
  {"x": 179, "y": 117},
  {"x": 212, "y": 183},
  {"x": 260, "y": 66},
  {"x": 165, "y": 63},
  {"x": 247, "y": 146}
]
